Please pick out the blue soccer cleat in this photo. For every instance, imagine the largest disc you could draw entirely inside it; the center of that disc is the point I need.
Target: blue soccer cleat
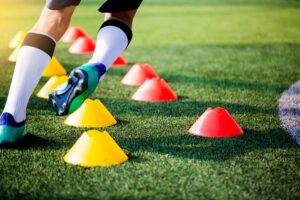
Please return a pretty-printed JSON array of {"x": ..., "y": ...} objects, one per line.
[
  {"x": 82, "y": 82},
  {"x": 10, "y": 130}
]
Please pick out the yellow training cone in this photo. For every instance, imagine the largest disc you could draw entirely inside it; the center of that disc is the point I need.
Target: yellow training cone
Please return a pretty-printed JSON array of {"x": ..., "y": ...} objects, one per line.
[
  {"x": 14, "y": 55},
  {"x": 92, "y": 113},
  {"x": 54, "y": 68},
  {"x": 95, "y": 148},
  {"x": 53, "y": 83},
  {"x": 17, "y": 40}
]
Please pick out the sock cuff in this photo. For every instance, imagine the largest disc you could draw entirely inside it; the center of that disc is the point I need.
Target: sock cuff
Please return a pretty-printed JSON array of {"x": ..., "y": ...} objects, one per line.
[
  {"x": 100, "y": 68},
  {"x": 45, "y": 35},
  {"x": 9, "y": 120},
  {"x": 40, "y": 41},
  {"x": 121, "y": 25}
]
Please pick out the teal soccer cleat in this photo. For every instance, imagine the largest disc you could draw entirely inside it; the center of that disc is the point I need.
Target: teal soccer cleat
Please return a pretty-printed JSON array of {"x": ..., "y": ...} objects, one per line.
[
  {"x": 82, "y": 82},
  {"x": 10, "y": 130}
]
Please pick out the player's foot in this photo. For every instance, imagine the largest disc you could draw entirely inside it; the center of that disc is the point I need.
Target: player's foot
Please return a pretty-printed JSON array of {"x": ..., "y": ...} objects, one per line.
[
  {"x": 10, "y": 130},
  {"x": 69, "y": 96}
]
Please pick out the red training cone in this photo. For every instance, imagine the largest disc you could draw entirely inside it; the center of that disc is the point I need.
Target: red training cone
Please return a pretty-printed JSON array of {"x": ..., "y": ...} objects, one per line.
[
  {"x": 120, "y": 61},
  {"x": 138, "y": 74},
  {"x": 72, "y": 34},
  {"x": 83, "y": 45},
  {"x": 155, "y": 90},
  {"x": 216, "y": 123}
]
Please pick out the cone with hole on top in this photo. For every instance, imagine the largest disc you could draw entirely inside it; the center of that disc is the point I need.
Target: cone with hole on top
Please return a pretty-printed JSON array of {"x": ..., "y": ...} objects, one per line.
[
  {"x": 14, "y": 55},
  {"x": 138, "y": 73},
  {"x": 54, "y": 68},
  {"x": 92, "y": 113},
  {"x": 17, "y": 40},
  {"x": 51, "y": 84},
  {"x": 95, "y": 148},
  {"x": 216, "y": 123},
  {"x": 83, "y": 45},
  {"x": 155, "y": 90},
  {"x": 73, "y": 33},
  {"x": 120, "y": 62}
]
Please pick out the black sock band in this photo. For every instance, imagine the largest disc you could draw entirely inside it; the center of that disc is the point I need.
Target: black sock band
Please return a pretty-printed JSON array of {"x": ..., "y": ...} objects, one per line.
[
  {"x": 40, "y": 41},
  {"x": 111, "y": 6},
  {"x": 120, "y": 25}
]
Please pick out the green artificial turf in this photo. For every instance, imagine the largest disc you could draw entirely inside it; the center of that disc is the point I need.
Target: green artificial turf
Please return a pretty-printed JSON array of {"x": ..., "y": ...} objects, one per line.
[{"x": 240, "y": 55}]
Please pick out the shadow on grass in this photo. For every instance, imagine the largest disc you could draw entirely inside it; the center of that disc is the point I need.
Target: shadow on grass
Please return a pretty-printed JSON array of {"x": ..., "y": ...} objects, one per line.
[
  {"x": 224, "y": 83},
  {"x": 30, "y": 141},
  {"x": 200, "y": 148},
  {"x": 183, "y": 146},
  {"x": 135, "y": 159},
  {"x": 211, "y": 82},
  {"x": 182, "y": 107}
]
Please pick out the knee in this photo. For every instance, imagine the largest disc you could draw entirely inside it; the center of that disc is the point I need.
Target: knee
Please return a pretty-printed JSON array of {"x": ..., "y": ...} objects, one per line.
[
  {"x": 59, "y": 19},
  {"x": 54, "y": 22}
]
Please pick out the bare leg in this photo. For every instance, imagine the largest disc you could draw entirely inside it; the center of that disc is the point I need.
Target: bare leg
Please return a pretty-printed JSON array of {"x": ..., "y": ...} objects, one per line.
[
  {"x": 54, "y": 22},
  {"x": 124, "y": 16}
]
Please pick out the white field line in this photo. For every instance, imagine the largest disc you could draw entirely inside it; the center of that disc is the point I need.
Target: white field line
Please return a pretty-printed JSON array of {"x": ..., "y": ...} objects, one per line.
[{"x": 289, "y": 111}]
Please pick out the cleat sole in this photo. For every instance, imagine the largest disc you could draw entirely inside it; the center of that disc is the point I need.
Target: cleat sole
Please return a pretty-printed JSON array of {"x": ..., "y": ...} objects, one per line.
[{"x": 61, "y": 100}]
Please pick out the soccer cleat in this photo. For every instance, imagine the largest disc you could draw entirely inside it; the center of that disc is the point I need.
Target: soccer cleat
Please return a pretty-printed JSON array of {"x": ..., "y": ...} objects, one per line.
[
  {"x": 10, "y": 130},
  {"x": 69, "y": 96}
]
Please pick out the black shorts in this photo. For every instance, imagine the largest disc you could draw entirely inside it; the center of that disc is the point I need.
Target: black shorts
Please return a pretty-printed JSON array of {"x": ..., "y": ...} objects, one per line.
[{"x": 109, "y": 6}]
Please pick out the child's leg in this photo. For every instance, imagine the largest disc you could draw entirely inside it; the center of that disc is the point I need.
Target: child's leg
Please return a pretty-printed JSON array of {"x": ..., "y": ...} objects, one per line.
[
  {"x": 35, "y": 53},
  {"x": 112, "y": 39}
]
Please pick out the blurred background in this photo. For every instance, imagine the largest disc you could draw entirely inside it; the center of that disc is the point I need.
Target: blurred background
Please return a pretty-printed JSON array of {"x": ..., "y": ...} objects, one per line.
[{"x": 236, "y": 54}]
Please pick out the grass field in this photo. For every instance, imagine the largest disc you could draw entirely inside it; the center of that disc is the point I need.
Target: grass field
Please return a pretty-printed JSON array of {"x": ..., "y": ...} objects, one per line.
[{"x": 240, "y": 55}]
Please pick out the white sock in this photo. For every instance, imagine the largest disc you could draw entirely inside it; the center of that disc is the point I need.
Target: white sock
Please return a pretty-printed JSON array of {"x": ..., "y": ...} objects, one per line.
[
  {"x": 34, "y": 55},
  {"x": 112, "y": 39}
]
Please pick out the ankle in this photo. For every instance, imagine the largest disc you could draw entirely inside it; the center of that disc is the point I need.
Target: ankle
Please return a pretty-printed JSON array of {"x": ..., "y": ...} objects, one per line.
[
  {"x": 8, "y": 119},
  {"x": 18, "y": 117}
]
